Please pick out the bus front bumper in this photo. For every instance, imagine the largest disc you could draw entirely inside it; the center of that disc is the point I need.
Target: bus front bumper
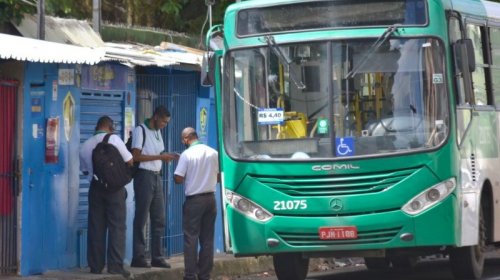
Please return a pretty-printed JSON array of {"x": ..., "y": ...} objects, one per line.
[{"x": 437, "y": 226}]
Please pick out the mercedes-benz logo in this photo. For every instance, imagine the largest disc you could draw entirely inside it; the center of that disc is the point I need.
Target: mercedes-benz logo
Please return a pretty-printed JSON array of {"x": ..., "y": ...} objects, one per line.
[{"x": 336, "y": 204}]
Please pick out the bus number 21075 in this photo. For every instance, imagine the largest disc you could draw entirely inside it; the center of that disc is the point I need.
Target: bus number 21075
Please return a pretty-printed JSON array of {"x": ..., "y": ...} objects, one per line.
[{"x": 290, "y": 204}]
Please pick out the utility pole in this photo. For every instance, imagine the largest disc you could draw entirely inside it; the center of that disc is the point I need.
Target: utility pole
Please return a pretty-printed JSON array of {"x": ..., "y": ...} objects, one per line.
[
  {"x": 96, "y": 15},
  {"x": 209, "y": 4},
  {"x": 41, "y": 20}
]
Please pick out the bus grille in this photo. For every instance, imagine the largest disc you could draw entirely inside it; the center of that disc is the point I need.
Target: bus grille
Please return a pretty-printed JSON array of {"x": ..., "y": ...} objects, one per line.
[
  {"x": 336, "y": 184},
  {"x": 364, "y": 237}
]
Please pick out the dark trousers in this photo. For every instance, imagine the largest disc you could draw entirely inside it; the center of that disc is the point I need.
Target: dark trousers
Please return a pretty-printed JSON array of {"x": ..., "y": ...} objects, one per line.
[
  {"x": 149, "y": 200},
  {"x": 107, "y": 214},
  {"x": 198, "y": 223}
]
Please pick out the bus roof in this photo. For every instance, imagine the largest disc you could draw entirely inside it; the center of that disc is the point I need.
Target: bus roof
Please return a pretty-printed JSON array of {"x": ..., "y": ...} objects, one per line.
[{"x": 492, "y": 9}]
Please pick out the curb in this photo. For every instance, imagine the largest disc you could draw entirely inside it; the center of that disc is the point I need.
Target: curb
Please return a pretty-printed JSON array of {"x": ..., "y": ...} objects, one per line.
[{"x": 225, "y": 266}]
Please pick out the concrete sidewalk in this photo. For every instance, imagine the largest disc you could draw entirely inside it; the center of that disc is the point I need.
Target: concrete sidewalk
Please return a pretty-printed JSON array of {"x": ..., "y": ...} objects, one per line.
[{"x": 225, "y": 267}]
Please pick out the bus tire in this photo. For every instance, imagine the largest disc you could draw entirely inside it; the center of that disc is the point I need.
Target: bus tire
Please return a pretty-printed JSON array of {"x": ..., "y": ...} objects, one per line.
[
  {"x": 468, "y": 262},
  {"x": 290, "y": 266},
  {"x": 377, "y": 263}
]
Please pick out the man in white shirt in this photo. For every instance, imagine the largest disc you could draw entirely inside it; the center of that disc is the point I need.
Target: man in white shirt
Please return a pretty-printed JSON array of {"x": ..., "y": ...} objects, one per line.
[
  {"x": 148, "y": 188},
  {"x": 107, "y": 210},
  {"x": 198, "y": 169}
]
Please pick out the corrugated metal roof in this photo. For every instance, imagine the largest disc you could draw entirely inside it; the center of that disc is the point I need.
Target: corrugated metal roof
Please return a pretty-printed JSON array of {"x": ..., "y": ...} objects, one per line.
[
  {"x": 147, "y": 55},
  {"x": 127, "y": 53},
  {"x": 62, "y": 30},
  {"x": 78, "y": 32},
  {"x": 26, "y": 49}
]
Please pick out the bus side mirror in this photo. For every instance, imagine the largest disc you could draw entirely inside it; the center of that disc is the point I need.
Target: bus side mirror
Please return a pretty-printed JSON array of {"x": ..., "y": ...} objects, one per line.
[
  {"x": 214, "y": 42},
  {"x": 464, "y": 49},
  {"x": 464, "y": 55},
  {"x": 208, "y": 69},
  {"x": 465, "y": 63},
  {"x": 471, "y": 58}
]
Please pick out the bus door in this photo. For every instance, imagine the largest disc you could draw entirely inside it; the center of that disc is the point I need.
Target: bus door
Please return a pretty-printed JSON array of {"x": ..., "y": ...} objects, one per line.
[
  {"x": 212, "y": 63},
  {"x": 211, "y": 77}
]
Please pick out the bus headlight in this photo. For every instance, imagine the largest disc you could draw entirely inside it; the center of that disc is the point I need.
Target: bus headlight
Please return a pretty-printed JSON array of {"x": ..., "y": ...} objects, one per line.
[
  {"x": 247, "y": 207},
  {"x": 429, "y": 197}
]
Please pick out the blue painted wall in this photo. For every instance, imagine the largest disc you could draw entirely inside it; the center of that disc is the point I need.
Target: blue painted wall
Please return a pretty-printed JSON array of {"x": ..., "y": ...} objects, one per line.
[{"x": 49, "y": 190}]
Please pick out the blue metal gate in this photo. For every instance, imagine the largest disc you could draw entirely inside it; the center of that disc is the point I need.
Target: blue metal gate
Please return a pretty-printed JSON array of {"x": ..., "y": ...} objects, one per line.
[
  {"x": 93, "y": 105},
  {"x": 178, "y": 93}
]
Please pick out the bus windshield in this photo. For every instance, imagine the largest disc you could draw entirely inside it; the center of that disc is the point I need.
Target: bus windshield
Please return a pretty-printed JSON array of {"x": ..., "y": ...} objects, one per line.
[{"x": 335, "y": 99}]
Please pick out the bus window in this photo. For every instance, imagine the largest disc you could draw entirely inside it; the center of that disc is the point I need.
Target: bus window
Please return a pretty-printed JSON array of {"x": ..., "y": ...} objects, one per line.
[
  {"x": 495, "y": 67},
  {"x": 478, "y": 76},
  {"x": 302, "y": 101},
  {"x": 249, "y": 86}
]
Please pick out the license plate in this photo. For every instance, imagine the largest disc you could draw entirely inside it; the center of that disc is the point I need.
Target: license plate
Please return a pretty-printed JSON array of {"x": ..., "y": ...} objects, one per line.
[{"x": 336, "y": 233}]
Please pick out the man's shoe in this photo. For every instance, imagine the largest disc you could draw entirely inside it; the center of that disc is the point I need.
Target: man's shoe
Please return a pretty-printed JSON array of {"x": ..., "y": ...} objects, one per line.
[
  {"x": 95, "y": 271},
  {"x": 122, "y": 271},
  {"x": 160, "y": 263},
  {"x": 140, "y": 263}
]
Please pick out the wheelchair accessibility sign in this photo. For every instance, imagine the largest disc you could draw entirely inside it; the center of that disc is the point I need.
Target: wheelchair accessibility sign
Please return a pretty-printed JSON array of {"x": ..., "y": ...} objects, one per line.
[{"x": 344, "y": 146}]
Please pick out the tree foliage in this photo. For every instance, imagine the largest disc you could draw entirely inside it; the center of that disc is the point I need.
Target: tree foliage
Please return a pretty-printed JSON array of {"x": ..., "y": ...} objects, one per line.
[
  {"x": 14, "y": 9},
  {"x": 81, "y": 9},
  {"x": 186, "y": 16}
]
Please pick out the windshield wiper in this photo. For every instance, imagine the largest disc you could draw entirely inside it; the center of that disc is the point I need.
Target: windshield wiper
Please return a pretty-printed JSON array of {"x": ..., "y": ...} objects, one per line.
[
  {"x": 380, "y": 40},
  {"x": 284, "y": 60}
]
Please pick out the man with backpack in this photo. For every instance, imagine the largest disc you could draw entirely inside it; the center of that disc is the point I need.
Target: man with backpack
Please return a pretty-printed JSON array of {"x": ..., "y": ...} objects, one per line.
[
  {"x": 148, "y": 149},
  {"x": 102, "y": 155}
]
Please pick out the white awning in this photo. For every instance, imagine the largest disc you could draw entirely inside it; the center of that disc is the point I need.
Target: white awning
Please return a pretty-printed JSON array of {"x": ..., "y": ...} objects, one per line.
[{"x": 27, "y": 49}]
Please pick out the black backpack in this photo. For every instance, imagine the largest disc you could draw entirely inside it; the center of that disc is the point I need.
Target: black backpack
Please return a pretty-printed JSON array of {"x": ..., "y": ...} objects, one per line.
[
  {"x": 110, "y": 171},
  {"x": 133, "y": 169}
]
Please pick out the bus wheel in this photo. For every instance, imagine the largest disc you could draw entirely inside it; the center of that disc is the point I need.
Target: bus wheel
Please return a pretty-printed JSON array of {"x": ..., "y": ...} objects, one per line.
[
  {"x": 377, "y": 263},
  {"x": 468, "y": 262},
  {"x": 290, "y": 266}
]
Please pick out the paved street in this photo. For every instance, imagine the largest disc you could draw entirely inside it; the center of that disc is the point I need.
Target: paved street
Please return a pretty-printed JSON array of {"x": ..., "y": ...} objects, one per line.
[
  {"x": 229, "y": 268},
  {"x": 425, "y": 270}
]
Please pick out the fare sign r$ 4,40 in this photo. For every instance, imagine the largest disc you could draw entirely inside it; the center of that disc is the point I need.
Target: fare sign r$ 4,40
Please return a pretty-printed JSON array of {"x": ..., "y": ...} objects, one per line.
[{"x": 269, "y": 116}]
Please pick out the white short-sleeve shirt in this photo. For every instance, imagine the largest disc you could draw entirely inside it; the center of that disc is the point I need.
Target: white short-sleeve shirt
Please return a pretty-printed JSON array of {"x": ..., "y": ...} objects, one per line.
[
  {"x": 89, "y": 145},
  {"x": 152, "y": 146},
  {"x": 199, "y": 165}
]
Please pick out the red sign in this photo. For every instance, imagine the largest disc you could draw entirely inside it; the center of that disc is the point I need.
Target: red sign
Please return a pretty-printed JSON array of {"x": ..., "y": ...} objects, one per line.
[
  {"x": 335, "y": 233},
  {"x": 52, "y": 141}
]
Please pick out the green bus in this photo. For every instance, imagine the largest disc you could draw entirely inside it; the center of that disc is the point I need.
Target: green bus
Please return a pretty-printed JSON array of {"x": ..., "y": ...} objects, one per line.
[{"x": 359, "y": 129}]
